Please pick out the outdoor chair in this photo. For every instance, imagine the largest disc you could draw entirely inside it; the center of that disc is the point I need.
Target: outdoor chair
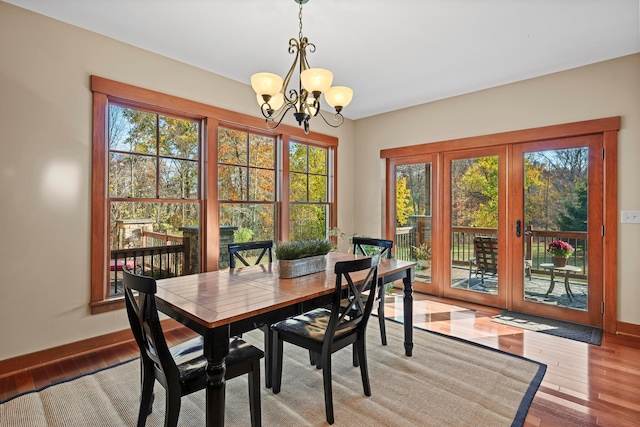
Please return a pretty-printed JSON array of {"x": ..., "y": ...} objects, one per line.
[
  {"x": 485, "y": 251},
  {"x": 368, "y": 246},
  {"x": 324, "y": 331},
  {"x": 235, "y": 254},
  {"x": 181, "y": 368}
]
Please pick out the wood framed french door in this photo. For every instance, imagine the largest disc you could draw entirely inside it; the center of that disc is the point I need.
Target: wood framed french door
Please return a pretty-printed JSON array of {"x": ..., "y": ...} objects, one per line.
[
  {"x": 518, "y": 191},
  {"x": 558, "y": 195}
]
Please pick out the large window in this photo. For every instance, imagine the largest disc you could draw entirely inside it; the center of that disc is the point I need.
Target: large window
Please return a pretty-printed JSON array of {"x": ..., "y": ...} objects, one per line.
[
  {"x": 308, "y": 191},
  {"x": 174, "y": 181},
  {"x": 153, "y": 182}
]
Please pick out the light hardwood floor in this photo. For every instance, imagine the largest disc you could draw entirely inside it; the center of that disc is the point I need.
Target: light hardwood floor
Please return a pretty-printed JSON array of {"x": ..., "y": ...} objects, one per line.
[{"x": 585, "y": 385}]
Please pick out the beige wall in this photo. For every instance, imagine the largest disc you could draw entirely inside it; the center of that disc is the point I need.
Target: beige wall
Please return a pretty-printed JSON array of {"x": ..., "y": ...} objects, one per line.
[
  {"x": 45, "y": 168},
  {"x": 606, "y": 89}
]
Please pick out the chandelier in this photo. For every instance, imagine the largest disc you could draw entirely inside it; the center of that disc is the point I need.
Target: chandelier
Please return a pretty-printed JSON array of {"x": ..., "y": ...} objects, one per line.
[{"x": 275, "y": 99}]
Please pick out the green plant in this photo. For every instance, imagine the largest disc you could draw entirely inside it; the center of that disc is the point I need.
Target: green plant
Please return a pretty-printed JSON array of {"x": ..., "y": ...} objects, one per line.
[
  {"x": 302, "y": 249},
  {"x": 422, "y": 252}
]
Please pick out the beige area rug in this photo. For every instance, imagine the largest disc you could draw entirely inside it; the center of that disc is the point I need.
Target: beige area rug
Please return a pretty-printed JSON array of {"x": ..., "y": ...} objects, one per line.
[{"x": 447, "y": 382}]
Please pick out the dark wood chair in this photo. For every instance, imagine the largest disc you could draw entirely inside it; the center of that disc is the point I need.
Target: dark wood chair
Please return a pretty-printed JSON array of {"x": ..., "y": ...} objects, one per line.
[
  {"x": 324, "y": 331},
  {"x": 181, "y": 368},
  {"x": 485, "y": 251},
  {"x": 235, "y": 249},
  {"x": 235, "y": 254},
  {"x": 368, "y": 246}
]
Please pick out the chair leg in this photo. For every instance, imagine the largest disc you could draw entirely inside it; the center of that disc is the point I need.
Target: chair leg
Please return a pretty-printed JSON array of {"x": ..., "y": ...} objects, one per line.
[
  {"x": 354, "y": 350},
  {"x": 268, "y": 352},
  {"x": 146, "y": 398},
  {"x": 383, "y": 329},
  {"x": 254, "y": 394},
  {"x": 277, "y": 364},
  {"x": 364, "y": 371},
  {"x": 328, "y": 391},
  {"x": 172, "y": 410}
]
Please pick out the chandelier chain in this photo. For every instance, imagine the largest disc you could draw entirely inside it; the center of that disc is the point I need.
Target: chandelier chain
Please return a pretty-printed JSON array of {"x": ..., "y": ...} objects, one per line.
[{"x": 300, "y": 19}]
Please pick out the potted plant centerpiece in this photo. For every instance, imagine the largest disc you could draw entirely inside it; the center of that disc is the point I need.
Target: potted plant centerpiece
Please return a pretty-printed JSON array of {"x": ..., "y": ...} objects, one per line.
[
  {"x": 422, "y": 254},
  {"x": 302, "y": 257},
  {"x": 560, "y": 252}
]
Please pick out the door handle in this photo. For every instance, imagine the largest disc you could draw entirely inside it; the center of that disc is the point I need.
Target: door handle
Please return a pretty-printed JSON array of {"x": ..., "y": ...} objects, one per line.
[{"x": 518, "y": 228}]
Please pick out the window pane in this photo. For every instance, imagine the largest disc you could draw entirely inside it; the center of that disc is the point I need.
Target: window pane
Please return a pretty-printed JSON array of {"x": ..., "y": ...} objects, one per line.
[
  {"x": 318, "y": 160},
  {"x": 164, "y": 227},
  {"x": 232, "y": 147},
  {"x": 317, "y": 188},
  {"x": 132, "y": 175},
  {"x": 262, "y": 184},
  {"x": 297, "y": 157},
  {"x": 298, "y": 187},
  {"x": 254, "y": 221},
  {"x": 308, "y": 222},
  {"x": 132, "y": 130},
  {"x": 178, "y": 138},
  {"x": 232, "y": 183},
  {"x": 262, "y": 151},
  {"x": 178, "y": 179}
]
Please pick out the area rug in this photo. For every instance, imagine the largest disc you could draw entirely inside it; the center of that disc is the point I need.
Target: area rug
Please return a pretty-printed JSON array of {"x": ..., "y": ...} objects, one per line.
[
  {"x": 447, "y": 382},
  {"x": 559, "y": 328}
]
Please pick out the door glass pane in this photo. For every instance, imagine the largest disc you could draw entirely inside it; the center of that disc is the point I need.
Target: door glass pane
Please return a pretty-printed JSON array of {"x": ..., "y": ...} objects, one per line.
[
  {"x": 413, "y": 217},
  {"x": 556, "y": 207},
  {"x": 474, "y": 224}
]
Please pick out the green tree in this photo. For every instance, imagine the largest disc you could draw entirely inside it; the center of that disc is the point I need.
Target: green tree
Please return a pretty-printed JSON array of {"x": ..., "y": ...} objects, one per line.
[{"x": 575, "y": 216}]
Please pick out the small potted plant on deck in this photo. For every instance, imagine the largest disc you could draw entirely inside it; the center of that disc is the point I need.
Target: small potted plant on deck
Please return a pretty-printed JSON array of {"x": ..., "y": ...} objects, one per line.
[
  {"x": 560, "y": 252},
  {"x": 302, "y": 257},
  {"x": 422, "y": 254}
]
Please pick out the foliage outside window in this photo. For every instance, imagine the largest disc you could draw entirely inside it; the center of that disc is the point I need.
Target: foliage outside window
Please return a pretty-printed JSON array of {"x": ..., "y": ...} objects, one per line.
[{"x": 308, "y": 192}]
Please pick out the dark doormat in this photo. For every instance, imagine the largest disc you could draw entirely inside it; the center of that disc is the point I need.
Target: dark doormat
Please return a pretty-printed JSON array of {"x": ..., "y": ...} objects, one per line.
[{"x": 559, "y": 328}]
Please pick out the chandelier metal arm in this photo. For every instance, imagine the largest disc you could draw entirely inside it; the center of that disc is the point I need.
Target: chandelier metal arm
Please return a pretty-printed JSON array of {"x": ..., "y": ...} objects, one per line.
[{"x": 336, "y": 117}]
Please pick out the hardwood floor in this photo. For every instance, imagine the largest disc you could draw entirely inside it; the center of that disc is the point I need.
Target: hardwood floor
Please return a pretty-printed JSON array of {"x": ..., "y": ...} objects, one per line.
[{"x": 585, "y": 385}]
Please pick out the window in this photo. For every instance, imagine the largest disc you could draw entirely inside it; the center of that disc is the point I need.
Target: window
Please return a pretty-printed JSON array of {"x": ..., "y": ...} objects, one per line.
[
  {"x": 171, "y": 178},
  {"x": 308, "y": 191},
  {"x": 246, "y": 186},
  {"x": 153, "y": 194}
]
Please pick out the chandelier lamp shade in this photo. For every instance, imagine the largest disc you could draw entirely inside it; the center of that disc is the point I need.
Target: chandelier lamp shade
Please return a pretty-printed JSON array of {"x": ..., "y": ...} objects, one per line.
[{"x": 276, "y": 98}]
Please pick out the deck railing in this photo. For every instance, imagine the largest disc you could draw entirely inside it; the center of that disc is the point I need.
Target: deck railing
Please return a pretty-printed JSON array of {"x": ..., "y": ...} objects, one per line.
[
  {"x": 157, "y": 261},
  {"x": 536, "y": 242}
]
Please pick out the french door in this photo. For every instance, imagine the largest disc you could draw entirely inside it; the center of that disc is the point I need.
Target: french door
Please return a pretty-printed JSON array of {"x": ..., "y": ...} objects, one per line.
[
  {"x": 488, "y": 208},
  {"x": 557, "y": 188}
]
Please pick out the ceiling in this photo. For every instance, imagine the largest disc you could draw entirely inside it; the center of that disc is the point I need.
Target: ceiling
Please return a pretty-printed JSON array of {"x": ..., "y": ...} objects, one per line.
[{"x": 394, "y": 54}]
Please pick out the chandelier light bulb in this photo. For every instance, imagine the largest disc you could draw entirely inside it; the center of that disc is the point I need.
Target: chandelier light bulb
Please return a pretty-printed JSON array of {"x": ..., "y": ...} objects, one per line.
[
  {"x": 316, "y": 80},
  {"x": 338, "y": 97},
  {"x": 266, "y": 84}
]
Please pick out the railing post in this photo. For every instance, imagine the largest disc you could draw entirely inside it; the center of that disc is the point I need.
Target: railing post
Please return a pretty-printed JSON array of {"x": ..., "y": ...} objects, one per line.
[
  {"x": 528, "y": 238},
  {"x": 186, "y": 256}
]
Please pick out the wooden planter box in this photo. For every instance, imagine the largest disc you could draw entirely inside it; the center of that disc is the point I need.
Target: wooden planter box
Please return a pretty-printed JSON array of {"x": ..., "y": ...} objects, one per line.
[{"x": 302, "y": 267}]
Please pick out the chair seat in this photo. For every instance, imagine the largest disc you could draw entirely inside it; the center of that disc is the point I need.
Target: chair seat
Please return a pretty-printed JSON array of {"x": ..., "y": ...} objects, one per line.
[
  {"x": 192, "y": 363},
  {"x": 312, "y": 324}
]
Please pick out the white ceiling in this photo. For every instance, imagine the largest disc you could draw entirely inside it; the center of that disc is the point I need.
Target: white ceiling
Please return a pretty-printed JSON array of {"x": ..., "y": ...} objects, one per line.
[{"x": 394, "y": 54}]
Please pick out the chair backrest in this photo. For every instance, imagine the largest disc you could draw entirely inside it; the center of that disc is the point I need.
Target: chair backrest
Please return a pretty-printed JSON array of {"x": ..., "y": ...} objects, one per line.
[
  {"x": 486, "y": 252},
  {"x": 145, "y": 325},
  {"x": 356, "y": 317},
  {"x": 360, "y": 245},
  {"x": 235, "y": 249}
]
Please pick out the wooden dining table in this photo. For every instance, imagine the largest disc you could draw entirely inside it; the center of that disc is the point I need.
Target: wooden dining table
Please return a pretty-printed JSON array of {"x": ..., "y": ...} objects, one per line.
[{"x": 225, "y": 303}]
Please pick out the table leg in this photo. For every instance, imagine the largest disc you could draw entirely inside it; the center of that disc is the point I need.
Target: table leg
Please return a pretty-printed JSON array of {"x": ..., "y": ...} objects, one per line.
[
  {"x": 553, "y": 283},
  {"x": 216, "y": 348},
  {"x": 408, "y": 312},
  {"x": 566, "y": 286}
]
